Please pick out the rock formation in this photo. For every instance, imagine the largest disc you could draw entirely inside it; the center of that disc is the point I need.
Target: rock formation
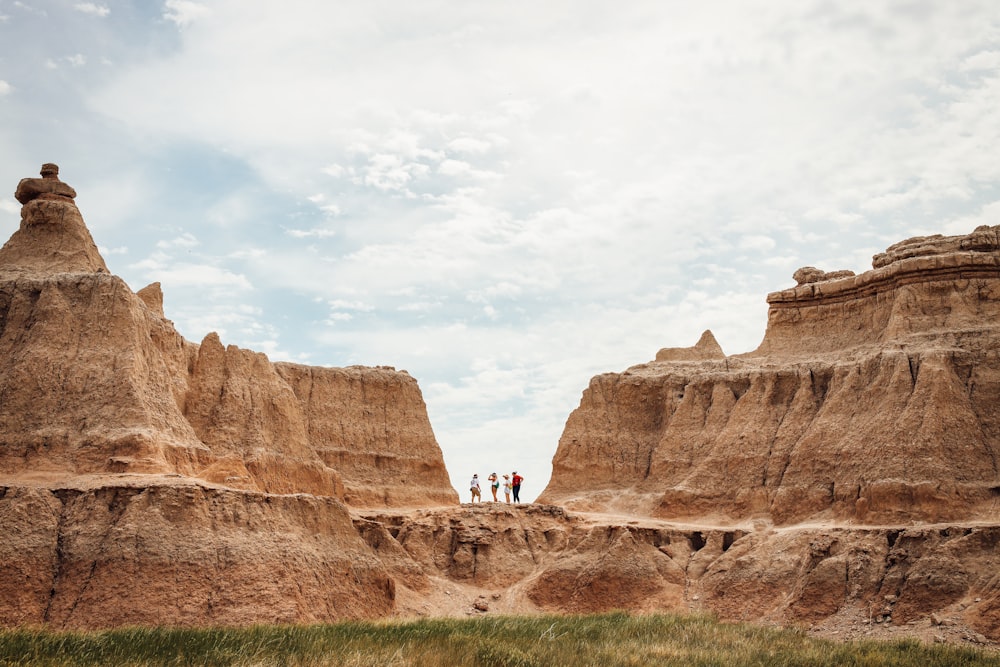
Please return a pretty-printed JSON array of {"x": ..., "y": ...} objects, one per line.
[
  {"x": 139, "y": 470},
  {"x": 929, "y": 581},
  {"x": 843, "y": 475},
  {"x": 872, "y": 399}
]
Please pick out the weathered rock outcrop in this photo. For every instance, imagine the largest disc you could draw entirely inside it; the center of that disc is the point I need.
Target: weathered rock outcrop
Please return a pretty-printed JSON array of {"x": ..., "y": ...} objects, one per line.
[
  {"x": 872, "y": 399},
  {"x": 371, "y": 426},
  {"x": 181, "y": 554},
  {"x": 148, "y": 479},
  {"x": 540, "y": 558},
  {"x": 844, "y": 474},
  {"x": 94, "y": 380}
]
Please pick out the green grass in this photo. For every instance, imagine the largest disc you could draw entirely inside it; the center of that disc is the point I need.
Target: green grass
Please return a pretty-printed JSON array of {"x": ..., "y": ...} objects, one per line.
[{"x": 615, "y": 639}]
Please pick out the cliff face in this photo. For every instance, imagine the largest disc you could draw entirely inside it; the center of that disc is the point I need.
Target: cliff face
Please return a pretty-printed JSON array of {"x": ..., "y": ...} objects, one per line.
[
  {"x": 844, "y": 474},
  {"x": 147, "y": 479},
  {"x": 929, "y": 581},
  {"x": 94, "y": 380},
  {"x": 182, "y": 555},
  {"x": 872, "y": 399},
  {"x": 370, "y": 424}
]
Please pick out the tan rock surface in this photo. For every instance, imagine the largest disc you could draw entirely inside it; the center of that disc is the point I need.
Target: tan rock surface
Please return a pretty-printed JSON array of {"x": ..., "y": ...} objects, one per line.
[
  {"x": 95, "y": 380},
  {"x": 371, "y": 426},
  {"x": 184, "y": 555},
  {"x": 888, "y": 582},
  {"x": 872, "y": 399},
  {"x": 147, "y": 479},
  {"x": 842, "y": 477}
]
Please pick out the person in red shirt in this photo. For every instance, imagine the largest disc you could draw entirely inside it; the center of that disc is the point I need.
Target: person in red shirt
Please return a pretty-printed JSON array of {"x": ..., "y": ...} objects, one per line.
[{"x": 516, "y": 486}]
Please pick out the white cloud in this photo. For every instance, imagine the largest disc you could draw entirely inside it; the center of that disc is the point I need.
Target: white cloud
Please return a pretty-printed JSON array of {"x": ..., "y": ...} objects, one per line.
[
  {"x": 391, "y": 172},
  {"x": 185, "y": 240},
  {"x": 5, "y": 87},
  {"x": 757, "y": 242},
  {"x": 455, "y": 168},
  {"x": 120, "y": 250},
  {"x": 77, "y": 60},
  {"x": 92, "y": 9},
  {"x": 184, "y": 12},
  {"x": 984, "y": 60},
  {"x": 341, "y": 304},
  {"x": 318, "y": 233},
  {"x": 469, "y": 145},
  {"x": 419, "y": 306},
  {"x": 199, "y": 275}
]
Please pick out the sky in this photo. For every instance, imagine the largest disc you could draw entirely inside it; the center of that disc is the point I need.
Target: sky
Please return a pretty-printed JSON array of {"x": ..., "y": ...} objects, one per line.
[{"x": 504, "y": 199}]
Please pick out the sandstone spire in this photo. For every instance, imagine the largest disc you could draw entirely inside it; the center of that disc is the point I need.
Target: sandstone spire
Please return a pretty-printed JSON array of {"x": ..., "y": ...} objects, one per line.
[{"x": 53, "y": 237}]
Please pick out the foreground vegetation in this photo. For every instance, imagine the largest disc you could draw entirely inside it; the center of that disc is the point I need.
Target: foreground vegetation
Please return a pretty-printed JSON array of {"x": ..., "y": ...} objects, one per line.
[{"x": 607, "y": 639}]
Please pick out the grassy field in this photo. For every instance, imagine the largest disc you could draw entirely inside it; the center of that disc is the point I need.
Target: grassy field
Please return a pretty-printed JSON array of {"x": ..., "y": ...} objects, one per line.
[{"x": 615, "y": 639}]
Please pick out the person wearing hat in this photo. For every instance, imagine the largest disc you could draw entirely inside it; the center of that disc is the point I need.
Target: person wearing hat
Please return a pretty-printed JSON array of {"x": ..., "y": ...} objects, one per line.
[
  {"x": 506, "y": 487},
  {"x": 474, "y": 488},
  {"x": 516, "y": 486},
  {"x": 494, "y": 484}
]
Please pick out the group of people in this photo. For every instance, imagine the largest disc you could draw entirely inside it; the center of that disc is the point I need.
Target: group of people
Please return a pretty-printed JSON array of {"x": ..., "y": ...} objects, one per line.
[{"x": 511, "y": 485}]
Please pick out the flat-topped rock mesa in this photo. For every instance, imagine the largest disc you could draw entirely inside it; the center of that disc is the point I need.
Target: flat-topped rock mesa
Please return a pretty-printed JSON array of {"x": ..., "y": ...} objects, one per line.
[{"x": 872, "y": 398}]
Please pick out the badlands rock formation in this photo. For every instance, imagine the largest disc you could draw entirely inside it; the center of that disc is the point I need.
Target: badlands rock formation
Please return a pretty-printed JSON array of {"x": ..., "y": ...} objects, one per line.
[
  {"x": 842, "y": 476},
  {"x": 847, "y": 468},
  {"x": 928, "y": 581},
  {"x": 872, "y": 399},
  {"x": 145, "y": 478}
]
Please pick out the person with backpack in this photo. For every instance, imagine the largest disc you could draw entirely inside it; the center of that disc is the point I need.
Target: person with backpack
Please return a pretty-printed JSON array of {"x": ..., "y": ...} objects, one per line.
[{"x": 516, "y": 486}]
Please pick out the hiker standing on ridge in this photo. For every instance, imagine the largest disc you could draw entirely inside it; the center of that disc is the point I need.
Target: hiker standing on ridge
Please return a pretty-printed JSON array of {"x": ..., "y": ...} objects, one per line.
[
  {"x": 516, "y": 486},
  {"x": 474, "y": 488}
]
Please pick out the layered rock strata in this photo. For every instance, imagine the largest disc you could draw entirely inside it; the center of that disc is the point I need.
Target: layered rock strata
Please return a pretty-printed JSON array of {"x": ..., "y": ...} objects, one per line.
[
  {"x": 872, "y": 399},
  {"x": 541, "y": 558},
  {"x": 148, "y": 479},
  {"x": 843, "y": 475},
  {"x": 95, "y": 380},
  {"x": 165, "y": 552}
]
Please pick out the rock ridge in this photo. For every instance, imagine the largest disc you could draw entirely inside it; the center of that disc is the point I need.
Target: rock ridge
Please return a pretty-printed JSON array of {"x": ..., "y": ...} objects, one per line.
[
  {"x": 146, "y": 479},
  {"x": 95, "y": 380},
  {"x": 871, "y": 399},
  {"x": 843, "y": 476}
]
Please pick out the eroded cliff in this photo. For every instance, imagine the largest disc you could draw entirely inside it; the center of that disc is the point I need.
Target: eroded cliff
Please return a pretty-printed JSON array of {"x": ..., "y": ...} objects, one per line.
[
  {"x": 930, "y": 581},
  {"x": 148, "y": 479},
  {"x": 95, "y": 380},
  {"x": 843, "y": 475},
  {"x": 872, "y": 399}
]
